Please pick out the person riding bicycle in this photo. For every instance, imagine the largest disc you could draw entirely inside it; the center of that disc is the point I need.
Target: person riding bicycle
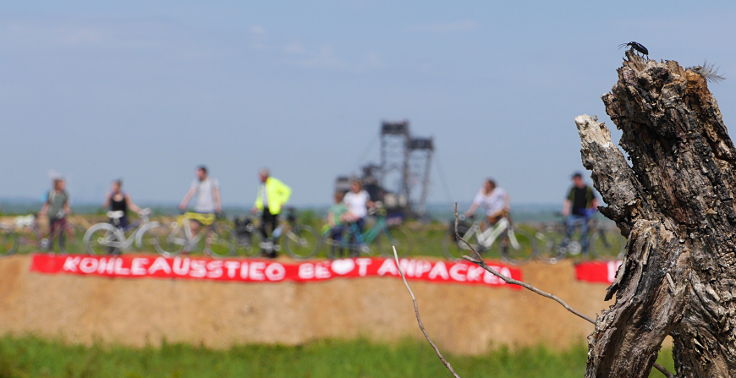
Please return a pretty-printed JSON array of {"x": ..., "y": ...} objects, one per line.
[
  {"x": 271, "y": 198},
  {"x": 58, "y": 209},
  {"x": 493, "y": 200},
  {"x": 208, "y": 202},
  {"x": 358, "y": 201},
  {"x": 117, "y": 200},
  {"x": 336, "y": 222},
  {"x": 495, "y": 203},
  {"x": 578, "y": 209}
]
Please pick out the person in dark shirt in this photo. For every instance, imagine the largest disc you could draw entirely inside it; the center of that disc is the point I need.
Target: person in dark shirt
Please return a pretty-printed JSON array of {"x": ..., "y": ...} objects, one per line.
[
  {"x": 117, "y": 200},
  {"x": 578, "y": 209}
]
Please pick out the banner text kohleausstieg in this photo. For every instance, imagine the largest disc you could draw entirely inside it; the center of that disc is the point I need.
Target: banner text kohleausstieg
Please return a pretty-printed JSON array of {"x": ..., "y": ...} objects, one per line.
[{"x": 257, "y": 270}]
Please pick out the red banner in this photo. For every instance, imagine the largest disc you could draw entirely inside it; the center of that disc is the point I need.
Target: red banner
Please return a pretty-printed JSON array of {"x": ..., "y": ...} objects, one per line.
[
  {"x": 260, "y": 270},
  {"x": 597, "y": 271}
]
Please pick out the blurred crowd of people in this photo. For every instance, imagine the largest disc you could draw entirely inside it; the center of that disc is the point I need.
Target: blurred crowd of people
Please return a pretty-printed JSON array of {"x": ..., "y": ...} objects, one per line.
[{"x": 349, "y": 208}]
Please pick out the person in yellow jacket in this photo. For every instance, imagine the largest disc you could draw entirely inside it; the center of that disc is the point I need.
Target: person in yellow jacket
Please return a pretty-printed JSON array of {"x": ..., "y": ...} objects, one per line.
[{"x": 272, "y": 196}]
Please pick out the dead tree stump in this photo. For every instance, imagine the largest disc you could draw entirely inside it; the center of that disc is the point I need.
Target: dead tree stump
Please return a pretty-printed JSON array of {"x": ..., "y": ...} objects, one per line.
[{"x": 675, "y": 203}]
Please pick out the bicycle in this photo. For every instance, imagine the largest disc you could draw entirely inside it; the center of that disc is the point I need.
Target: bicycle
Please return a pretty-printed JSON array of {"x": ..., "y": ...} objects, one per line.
[
  {"x": 518, "y": 246},
  {"x": 110, "y": 237},
  {"x": 215, "y": 238},
  {"x": 559, "y": 247},
  {"x": 23, "y": 231},
  {"x": 368, "y": 242},
  {"x": 299, "y": 240}
]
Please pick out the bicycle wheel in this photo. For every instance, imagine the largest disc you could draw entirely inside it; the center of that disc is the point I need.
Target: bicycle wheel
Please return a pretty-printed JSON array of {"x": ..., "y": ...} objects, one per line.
[
  {"x": 456, "y": 248},
  {"x": 8, "y": 243},
  {"x": 396, "y": 236},
  {"x": 551, "y": 244},
  {"x": 245, "y": 236},
  {"x": 352, "y": 244},
  {"x": 301, "y": 242},
  {"x": 220, "y": 240},
  {"x": 247, "y": 244},
  {"x": 150, "y": 235},
  {"x": 452, "y": 248},
  {"x": 102, "y": 238},
  {"x": 333, "y": 249},
  {"x": 560, "y": 247},
  {"x": 607, "y": 243},
  {"x": 167, "y": 241},
  {"x": 520, "y": 246},
  {"x": 384, "y": 242}
]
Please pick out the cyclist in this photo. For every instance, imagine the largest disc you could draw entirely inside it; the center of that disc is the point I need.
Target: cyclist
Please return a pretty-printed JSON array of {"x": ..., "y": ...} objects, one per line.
[
  {"x": 493, "y": 200},
  {"x": 208, "y": 202},
  {"x": 271, "y": 198},
  {"x": 336, "y": 222},
  {"x": 578, "y": 209},
  {"x": 57, "y": 208},
  {"x": 357, "y": 201},
  {"x": 495, "y": 203},
  {"x": 117, "y": 200}
]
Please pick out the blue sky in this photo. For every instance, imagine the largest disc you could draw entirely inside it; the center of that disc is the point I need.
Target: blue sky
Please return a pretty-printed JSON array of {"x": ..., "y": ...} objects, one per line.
[{"x": 146, "y": 90}]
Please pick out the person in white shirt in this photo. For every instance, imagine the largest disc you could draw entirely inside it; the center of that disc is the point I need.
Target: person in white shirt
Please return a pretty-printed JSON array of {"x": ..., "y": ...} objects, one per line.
[
  {"x": 492, "y": 200},
  {"x": 357, "y": 201},
  {"x": 208, "y": 200}
]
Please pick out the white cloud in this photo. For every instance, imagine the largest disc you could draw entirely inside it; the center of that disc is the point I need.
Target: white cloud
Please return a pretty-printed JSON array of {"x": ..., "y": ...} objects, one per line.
[
  {"x": 447, "y": 27},
  {"x": 257, "y": 30},
  {"x": 373, "y": 60},
  {"x": 62, "y": 35},
  {"x": 41, "y": 34},
  {"x": 323, "y": 57},
  {"x": 295, "y": 53},
  {"x": 257, "y": 37},
  {"x": 294, "y": 48}
]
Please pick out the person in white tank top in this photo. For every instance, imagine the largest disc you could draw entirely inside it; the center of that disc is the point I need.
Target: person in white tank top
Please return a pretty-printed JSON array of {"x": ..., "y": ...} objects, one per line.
[
  {"x": 492, "y": 200},
  {"x": 208, "y": 200}
]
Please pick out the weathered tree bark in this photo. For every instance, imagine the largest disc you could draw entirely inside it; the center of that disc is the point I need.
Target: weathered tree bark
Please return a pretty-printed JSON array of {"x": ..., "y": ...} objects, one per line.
[{"x": 675, "y": 203}]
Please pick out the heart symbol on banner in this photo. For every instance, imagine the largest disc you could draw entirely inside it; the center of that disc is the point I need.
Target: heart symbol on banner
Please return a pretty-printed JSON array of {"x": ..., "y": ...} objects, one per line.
[{"x": 343, "y": 266}]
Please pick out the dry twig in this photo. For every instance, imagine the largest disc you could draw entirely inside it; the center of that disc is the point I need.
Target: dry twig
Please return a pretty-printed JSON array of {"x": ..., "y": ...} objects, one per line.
[
  {"x": 478, "y": 260},
  {"x": 419, "y": 318}
]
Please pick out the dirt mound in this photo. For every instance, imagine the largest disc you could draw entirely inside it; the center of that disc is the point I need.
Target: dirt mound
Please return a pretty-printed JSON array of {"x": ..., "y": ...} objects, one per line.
[{"x": 462, "y": 319}]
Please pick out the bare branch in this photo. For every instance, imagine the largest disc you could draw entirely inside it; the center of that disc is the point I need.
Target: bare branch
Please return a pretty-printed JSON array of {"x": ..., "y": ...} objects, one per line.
[
  {"x": 663, "y": 370},
  {"x": 419, "y": 319},
  {"x": 481, "y": 263},
  {"x": 527, "y": 286}
]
